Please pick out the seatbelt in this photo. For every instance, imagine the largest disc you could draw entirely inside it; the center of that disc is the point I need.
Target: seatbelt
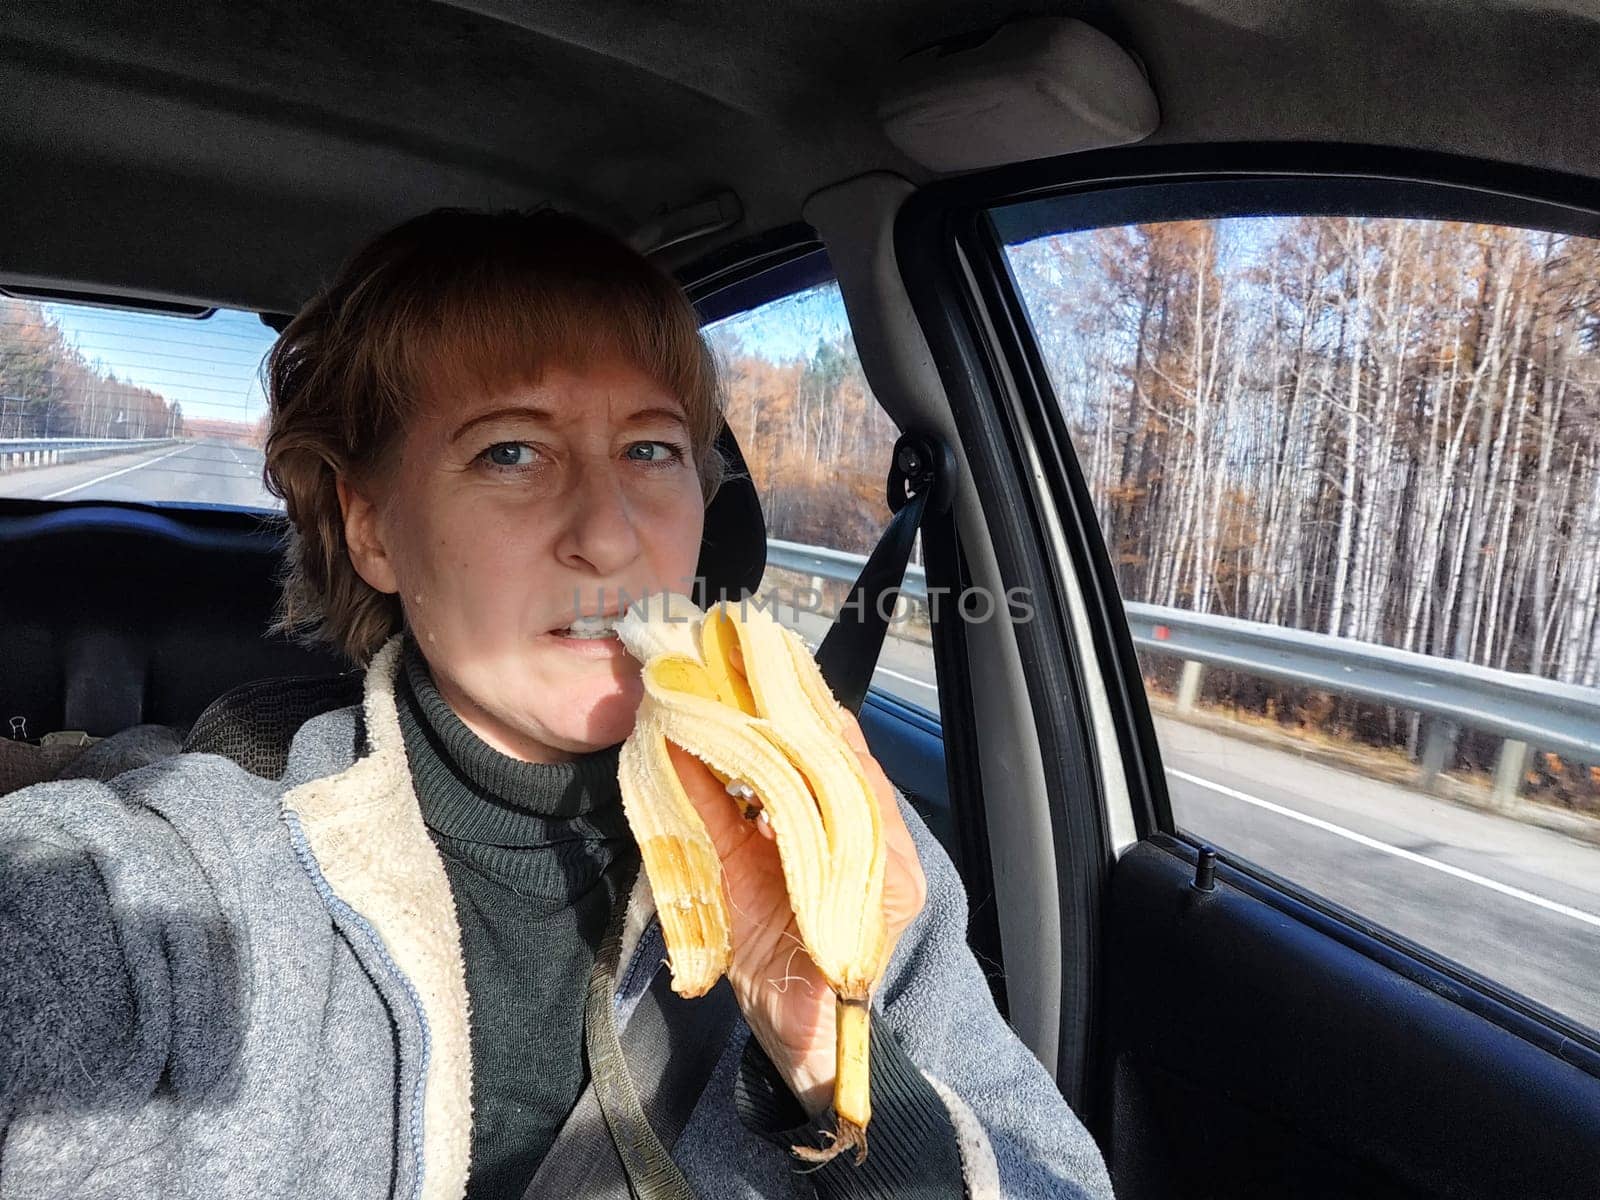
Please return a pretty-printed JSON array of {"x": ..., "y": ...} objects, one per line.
[
  {"x": 922, "y": 478},
  {"x": 644, "y": 1084}
]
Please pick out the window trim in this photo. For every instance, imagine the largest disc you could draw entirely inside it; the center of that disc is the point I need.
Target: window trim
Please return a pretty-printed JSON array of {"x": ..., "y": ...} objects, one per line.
[
  {"x": 755, "y": 271},
  {"x": 148, "y": 305},
  {"x": 1269, "y": 194},
  {"x": 945, "y": 260},
  {"x": 1313, "y": 162}
]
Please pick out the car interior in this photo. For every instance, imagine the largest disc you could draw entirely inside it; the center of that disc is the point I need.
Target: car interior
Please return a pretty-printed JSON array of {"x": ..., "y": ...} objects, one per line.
[{"x": 1236, "y": 1039}]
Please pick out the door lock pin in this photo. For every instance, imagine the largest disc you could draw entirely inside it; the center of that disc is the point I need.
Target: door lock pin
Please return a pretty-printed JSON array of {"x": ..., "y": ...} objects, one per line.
[{"x": 1205, "y": 870}]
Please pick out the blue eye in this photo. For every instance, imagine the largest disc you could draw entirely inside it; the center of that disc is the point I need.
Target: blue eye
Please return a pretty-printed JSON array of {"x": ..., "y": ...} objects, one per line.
[
  {"x": 655, "y": 452},
  {"x": 509, "y": 454}
]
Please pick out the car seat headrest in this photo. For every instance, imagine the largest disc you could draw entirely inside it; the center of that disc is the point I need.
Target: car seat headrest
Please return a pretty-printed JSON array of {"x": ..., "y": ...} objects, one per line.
[{"x": 733, "y": 549}]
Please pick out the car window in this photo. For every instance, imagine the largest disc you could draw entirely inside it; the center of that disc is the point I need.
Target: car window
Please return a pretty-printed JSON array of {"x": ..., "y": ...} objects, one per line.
[
  {"x": 108, "y": 404},
  {"x": 1348, "y": 473},
  {"x": 818, "y": 447}
]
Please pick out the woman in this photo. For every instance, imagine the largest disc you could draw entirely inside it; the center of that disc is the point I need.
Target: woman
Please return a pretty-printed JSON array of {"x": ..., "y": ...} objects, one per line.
[{"x": 368, "y": 977}]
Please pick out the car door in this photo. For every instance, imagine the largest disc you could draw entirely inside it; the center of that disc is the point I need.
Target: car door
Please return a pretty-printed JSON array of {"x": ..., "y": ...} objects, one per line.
[{"x": 1294, "y": 448}]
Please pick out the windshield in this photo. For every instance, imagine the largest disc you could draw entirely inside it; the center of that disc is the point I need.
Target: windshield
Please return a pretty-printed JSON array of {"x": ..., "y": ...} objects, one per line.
[{"x": 105, "y": 404}]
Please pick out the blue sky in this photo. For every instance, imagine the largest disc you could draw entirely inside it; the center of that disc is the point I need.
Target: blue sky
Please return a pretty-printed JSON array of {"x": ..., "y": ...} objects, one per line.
[{"x": 209, "y": 366}]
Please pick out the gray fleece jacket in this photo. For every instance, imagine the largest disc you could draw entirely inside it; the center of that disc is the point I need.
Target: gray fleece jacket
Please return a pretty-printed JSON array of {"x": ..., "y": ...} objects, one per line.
[{"x": 217, "y": 985}]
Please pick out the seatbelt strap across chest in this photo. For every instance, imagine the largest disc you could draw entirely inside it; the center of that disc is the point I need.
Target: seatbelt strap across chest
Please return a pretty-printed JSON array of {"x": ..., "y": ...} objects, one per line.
[{"x": 644, "y": 1084}]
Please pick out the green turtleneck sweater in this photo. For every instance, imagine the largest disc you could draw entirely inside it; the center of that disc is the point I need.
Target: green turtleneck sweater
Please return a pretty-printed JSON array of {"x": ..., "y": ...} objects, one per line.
[{"x": 533, "y": 852}]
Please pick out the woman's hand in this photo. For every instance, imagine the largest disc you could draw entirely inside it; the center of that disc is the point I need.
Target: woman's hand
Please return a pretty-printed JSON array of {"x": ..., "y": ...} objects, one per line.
[{"x": 787, "y": 1003}]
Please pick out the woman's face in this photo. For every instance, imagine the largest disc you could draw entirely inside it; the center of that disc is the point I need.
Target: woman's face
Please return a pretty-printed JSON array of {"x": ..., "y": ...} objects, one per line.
[{"x": 503, "y": 517}]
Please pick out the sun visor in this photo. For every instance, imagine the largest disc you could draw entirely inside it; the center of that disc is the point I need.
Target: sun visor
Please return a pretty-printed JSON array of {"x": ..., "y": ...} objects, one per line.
[{"x": 1031, "y": 89}]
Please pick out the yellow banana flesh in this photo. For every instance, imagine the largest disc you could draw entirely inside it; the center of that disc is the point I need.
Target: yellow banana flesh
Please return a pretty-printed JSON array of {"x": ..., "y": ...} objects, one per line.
[{"x": 742, "y": 694}]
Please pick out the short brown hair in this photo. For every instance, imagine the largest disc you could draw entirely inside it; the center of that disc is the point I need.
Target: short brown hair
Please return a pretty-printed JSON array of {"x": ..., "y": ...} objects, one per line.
[{"x": 452, "y": 298}]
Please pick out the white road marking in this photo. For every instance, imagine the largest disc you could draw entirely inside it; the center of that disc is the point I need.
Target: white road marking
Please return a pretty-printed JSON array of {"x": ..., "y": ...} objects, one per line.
[
  {"x": 236, "y": 458},
  {"x": 1422, "y": 860},
  {"x": 932, "y": 687},
  {"x": 102, "y": 478}
]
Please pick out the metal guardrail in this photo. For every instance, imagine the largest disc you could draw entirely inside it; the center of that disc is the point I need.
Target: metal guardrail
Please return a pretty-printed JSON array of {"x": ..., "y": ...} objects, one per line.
[
  {"x": 19, "y": 454},
  {"x": 1525, "y": 710},
  {"x": 836, "y": 566},
  {"x": 1561, "y": 717}
]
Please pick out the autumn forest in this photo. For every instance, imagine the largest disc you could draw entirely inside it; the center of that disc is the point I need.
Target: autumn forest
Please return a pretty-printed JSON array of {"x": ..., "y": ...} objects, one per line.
[
  {"x": 1380, "y": 429},
  {"x": 1386, "y": 430}
]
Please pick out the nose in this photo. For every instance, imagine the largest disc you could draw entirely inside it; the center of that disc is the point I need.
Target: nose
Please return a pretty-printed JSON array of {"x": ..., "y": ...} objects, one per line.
[{"x": 599, "y": 536}]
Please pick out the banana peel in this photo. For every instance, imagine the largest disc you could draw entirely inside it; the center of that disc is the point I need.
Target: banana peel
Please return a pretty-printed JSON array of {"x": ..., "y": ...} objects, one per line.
[{"x": 742, "y": 694}]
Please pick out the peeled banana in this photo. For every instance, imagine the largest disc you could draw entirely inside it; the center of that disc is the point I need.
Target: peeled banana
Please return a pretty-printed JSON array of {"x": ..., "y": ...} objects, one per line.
[{"x": 742, "y": 694}]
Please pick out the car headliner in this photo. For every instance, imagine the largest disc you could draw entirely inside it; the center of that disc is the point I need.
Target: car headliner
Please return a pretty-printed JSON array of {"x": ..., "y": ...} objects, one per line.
[{"x": 235, "y": 152}]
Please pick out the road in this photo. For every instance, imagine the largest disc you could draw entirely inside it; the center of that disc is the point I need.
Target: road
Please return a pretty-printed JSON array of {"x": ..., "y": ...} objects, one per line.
[
  {"x": 190, "y": 473},
  {"x": 1515, "y": 902},
  {"x": 905, "y": 668}
]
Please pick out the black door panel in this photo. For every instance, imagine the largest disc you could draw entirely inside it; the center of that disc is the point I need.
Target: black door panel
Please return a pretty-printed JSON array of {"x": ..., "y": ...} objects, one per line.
[
  {"x": 1252, "y": 1055},
  {"x": 910, "y": 747}
]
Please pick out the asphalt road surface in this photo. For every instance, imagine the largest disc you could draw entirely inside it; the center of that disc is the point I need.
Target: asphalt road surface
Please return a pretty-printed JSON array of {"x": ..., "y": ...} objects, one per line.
[
  {"x": 1515, "y": 902},
  {"x": 189, "y": 473},
  {"x": 905, "y": 668}
]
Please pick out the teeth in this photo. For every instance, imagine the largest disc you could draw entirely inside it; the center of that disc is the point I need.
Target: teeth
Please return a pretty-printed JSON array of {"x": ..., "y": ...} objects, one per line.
[{"x": 591, "y": 627}]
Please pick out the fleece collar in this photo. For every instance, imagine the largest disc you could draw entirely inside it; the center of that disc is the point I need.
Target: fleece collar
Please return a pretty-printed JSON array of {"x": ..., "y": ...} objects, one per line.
[{"x": 364, "y": 827}]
